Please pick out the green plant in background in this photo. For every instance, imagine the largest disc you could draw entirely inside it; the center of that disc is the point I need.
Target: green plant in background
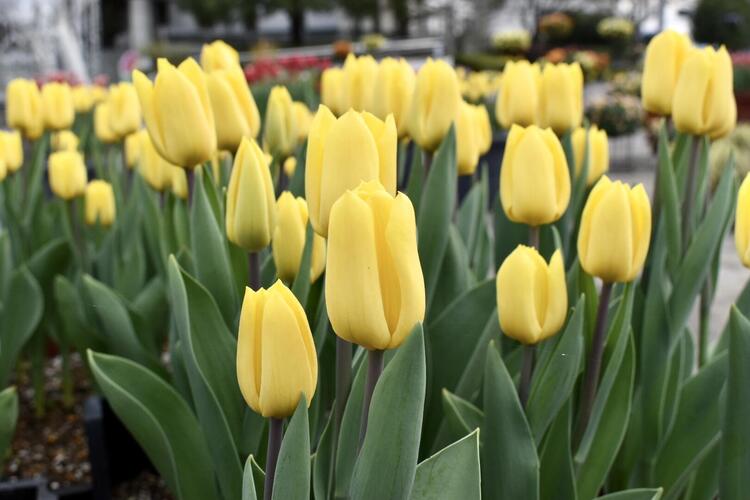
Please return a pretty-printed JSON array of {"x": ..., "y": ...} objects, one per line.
[{"x": 722, "y": 22}]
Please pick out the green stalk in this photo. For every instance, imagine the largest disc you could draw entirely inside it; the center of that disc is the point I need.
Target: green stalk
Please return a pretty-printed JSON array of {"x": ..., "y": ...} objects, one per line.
[
  {"x": 275, "y": 431},
  {"x": 253, "y": 260},
  {"x": 374, "y": 370},
  {"x": 688, "y": 202}
]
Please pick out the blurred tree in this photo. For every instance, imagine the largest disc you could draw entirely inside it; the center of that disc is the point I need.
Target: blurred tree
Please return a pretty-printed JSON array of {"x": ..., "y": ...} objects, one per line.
[
  {"x": 358, "y": 10},
  {"x": 208, "y": 12},
  {"x": 248, "y": 10},
  {"x": 722, "y": 22},
  {"x": 400, "y": 9}
]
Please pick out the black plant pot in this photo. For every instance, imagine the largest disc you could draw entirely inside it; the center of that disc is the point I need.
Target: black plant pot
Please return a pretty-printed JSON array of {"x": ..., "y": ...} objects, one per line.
[{"x": 27, "y": 489}]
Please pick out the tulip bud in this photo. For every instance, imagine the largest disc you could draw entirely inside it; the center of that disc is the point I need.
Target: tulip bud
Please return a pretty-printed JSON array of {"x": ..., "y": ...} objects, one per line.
[
  {"x": 280, "y": 133},
  {"x": 561, "y": 101},
  {"x": 98, "y": 93},
  {"x": 665, "y": 55},
  {"x": 374, "y": 286},
  {"x": 534, "y": 177},
  {"x": 125, "y": 110},
  {"x": 434, "y": 105},
  {"x": 343, "y": 152},
  {"x": 615, "y": 231},
  {"x": 289, "y": 239},
  {"x": 187, "y": 138},
  {"x": 392, "y": 92},
  {"x": 67, "y": 174},
  {"x": 597, "y": 152},
  {"x": 133, "y": 148},
  {"x": 100, "y": 203},
  {"x": 179, "y": 182},
  {"x": 532, "y": 296},
  {"x": 64, "y": 140},
  {"x": 235, "y": 112},
  {"x": 83, "y": 98},
  {"x": 276, "y": 359},
  {"x": 153, "y": 168},
  {"x": 23, "y": 108},
  {"x": 11, "y": 150},
  {"x": 251, "y": 204},
  {"x": 484, "y": 128},
  {"x": 218, "y": 55},
  {"x": 332, "y": 92},
  {"x": 467, "y": 139},
  {"x": 303, "y": 118},
  {"x": 57, "y": 104},
  {"x": 703, "y": 100},
  {"x": 290, "y": 165},
  {"x": 742, "y": 222},
  {"x": 359, "y": 75},
  {"x": 518, "y": 99}
]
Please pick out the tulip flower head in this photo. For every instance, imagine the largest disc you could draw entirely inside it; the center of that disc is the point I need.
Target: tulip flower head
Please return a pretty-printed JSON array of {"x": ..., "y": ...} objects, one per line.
[
  {"x": 561, "y": 97},
  {"x": 359, "y": 76},
  {"x": 343, "y": 152},
  {"x": 742, "y": 223},
  {"x": 289, "y": 239},
  {"x": 392, "y": 92},
  {"x": 67, "y": 174},
  {"x": 100, "y": 203},
  {"x": 518, "y": 99},
  {"x": 484, "y": 128},
  {"x": 280, "y": 132},
  {"x": 11, "y": 150},
  {"x": 534, "y": 177},
  {"x": 179, "y": 183},
  {"x": 290, "y": 166},
  {"x": 125, "y": 110},
  {"x": 57, "y": 105},
  {"x": 156, "y": 171},
  {"x": 83, "y": 98},
  {"x": 23, "y": 108},
  {"x": 303, "y": 118},
  {"x": 532, "y": 297},
  {"x": 374, "y": 286},
  {"x": 435, "y": 103},
  {"x": 332, "y": 93},
  {"x": 102, "y": 124},
  {"x": 218, "y": 55},
  {"x": 468, "y": 136},
  {"x": 64, "y": 140},
  {"x": 615, "y": 231},
  {"x": 133, "y": 148},
  {"x": 235, "y": 112},
  {"x": 276, "y": 359},
  {"x": 664, "y": 58},
  {"x": 596, "y": 150}
]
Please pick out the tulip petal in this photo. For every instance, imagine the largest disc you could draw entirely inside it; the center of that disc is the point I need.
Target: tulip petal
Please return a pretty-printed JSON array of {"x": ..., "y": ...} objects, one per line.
[
  {"x": 610, "y": 245},
  {"x": 557, "y": 297},
  {"x": 516, "y": 300},
  {"x": 145, "y": 90},
  {"x": 584, "y": 232},
  {"x": 515, "y": 135},
  {"x": 319, "y": 130},
  {"x": 689, "y": 105},
  {"x": 561, "y": 172},
  {"x": 533, "y": 182},
  {"x": 386, "y": 140},
  {"x": 640, "y": 208},
  {"x": 249, "y": 349},
  {"x": 307, "y": 340},
  {"x": 742, "y": 222}
]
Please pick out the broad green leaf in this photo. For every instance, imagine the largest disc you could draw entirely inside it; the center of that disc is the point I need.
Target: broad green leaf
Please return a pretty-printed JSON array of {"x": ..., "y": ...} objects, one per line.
[
  {"x": 50, "y": 260},
  {"x": 248, "y": 481},
  {"x": 635, "y": 494},
  {"x": 76, "y": 330},
  {"x": 387, "y": 462},
  {"x": 556, "y": 474},
  {"x": 455, "y": 274},
  {"x": 670, "y": 202},
  {"x": 20, "y": 317},
  {"x": 508, "y": 234},
  {"x": 35, "y": 172},
  {"x": 453, "y": 472},
  {"x": 322, "y": 462},
  {"x": 8, "y": 418},
  {"x": 704, "y": 485},
  {"x": 510, "y": 466},
  {"x": 470, "y": 383},
  {"x": 292, "y": 479},
  {"x": 301, "y": 285},
  {"x": 6, "y": 264},
  {"x": 161, "y": 422},
  {"x": 348, "y": 442},
  {"x": 461, "y": 416},
  {"x": 416, "y": 177},
  {"x": 469, "y": 217},
  {"x": 150, "y": 311}
]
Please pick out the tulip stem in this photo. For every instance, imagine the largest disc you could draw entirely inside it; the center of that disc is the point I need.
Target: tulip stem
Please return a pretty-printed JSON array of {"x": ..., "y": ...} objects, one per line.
[
  {"x": 594, "y": 364},
  {"x": 274, "y": 445},
  {"x": 527, "y": 369},
  {"x": 687, "y": 204},
  {"x": 374, "y": 369},
  {"x": 343, "y": 381},
  {"x": 534, "y": 237},
  {"x": 427, "y": 160},
  {"x": 75, "y": 232},
  {"x": 253, "y": 270}
]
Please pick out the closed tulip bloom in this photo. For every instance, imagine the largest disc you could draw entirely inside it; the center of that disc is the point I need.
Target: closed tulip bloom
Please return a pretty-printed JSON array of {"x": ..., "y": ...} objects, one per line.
[
  {"x": 434, "y": 105},
  {"x": 133, "y": 148},
  {"x": 235, "y": 112},
  {"x": 179, "y": 183},
  {"x": 186, "y": 138},
  {"x": 102, "y": 127},
  {"x": 467, "y": 139},
  {"x": 280, "y": 133},
  {"x": 615, "y": 231},
  {"x": 343, "y": 152},
  {"x": 152, "y": 166},
  {"x": 374, "y": 286},
  {"x": 57, "y": 104},
  {"x": 83, "y": 98},
  {"x": 534, "y": 177},
  {"x": 597, "y": 152},
  {"x": 303, "y": 118},
  {"x": 518, "y": 99},
  {"x": 359, "y": 76},
  {"x": 276, "y": 359},
  {"x": 290, "y": 165},
  {"x": 392, "y": 92},
  {"x": 561, "y": 102},
  {"x": 23, "y": 107},
  {"x": 665, "y": 55},
  {"x": 67, "y": 174},
  {"x": 125, "y": 110},
  {"x": 484, "y": 128},
  {"x": 98, "y": 93},
  {"x": 218, "y": 55},
  {"x": 332, "y": 92},
  {"x": 742, "y": 222},
  {"x": 532, "y": 296},
  {"x": 704, "y": 97},
  {"x": 251, "y": 204},
  {"x": 11, "y": 150},
  {"x": 64, "y": 140},
  {"x": 100, "y": 203},
  {"x": 289, "y": 239}
]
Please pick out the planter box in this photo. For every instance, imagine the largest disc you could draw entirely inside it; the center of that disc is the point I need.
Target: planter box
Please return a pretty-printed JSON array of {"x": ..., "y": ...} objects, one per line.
[{"x": 28, "y": 489}]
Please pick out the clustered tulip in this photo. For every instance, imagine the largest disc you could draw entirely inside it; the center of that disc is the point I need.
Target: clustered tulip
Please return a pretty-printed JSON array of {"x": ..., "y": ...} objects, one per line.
[
  {"x": 219, "y": 55},
  {"x": 23, "y": 107},
  {"x": 100, "y": 203},
  {"x": 392, "y": 92},
  {"x": 133, "y": 148},
  {"x": 102, "y": 124},
  {"x": 518, "y": 99},
  {"x": 289, "y": 240},
  {"x": 665, "y": 55},
  {"x": 83, "y": 98},
  {"x": 468, "y": 136},
  {"x": 592, "y": 147},
  {"x": 280, "y": 133},
  {"x": 332, "y": 90},
  {"x": 57, "y": 106},
  {"x": 561, "y": 97},
  {"x": 359, "y": 76},
  {"x": 434, "y": 105},
  {"x": 11, "y": 150},
  {"x": 235, "y": 112},
  {"x": 124, "y": 109},
  {"x": 64, "y": 140},
  {"x": 67, "y": 174}
]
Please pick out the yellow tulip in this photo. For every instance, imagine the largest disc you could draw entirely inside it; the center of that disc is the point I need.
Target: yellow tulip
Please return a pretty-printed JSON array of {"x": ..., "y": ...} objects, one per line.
[
  {"x": 392, "y": 92},
  {"x": 280, "y": 133},
  {"x": 332, "y": 92},
  {"x": 374, "y": 286},
  {"x": 251, "y": 204},
  {"x": 133, "y": 148},
  {"x": 742, "y": 222},
  {"x": 102, "y": 127},
  {"x": 276, "y": 359},
  {"x": 518, "y": 99},
  {"x": 83, "y": 98},
  {"x": 303, "y": 118},
  {"x": 597, "y": 152},
  {"x": 67, "y": 174},
  {"x": 318, "y": 258},
  {"x": 125, "y": 110},
  {"x": 484, "y": 128},
  {"x": 434, "y": 105},
  {"x": 64, "y": 140},
  {"x": 185, "y": 138},
  {"x": 98, "y": 93},
  {"x": 359, "y": 75},
  {"x": 153, "y": 168},
  {"x": 218, "y": 55},
  {"x": 615, "y": 231},
  {"x": 703, "y": 100},
  {"x": 3, "y": 170},
  {"x": 532, "y": 297},
  {"x": 534, "y": 177},
  {"x": 290, "y": 165},
  {"x": 343, "y": 152},
  {"x": 289, "y": 239},
  {"x": 179, "y": 182},
  {"x": 100, "y": 203},
  {"x": 23, "y": 107},
  {"x": 11, "y": 150},
  {"x": 561, "y": 97},
  {"x": 467, "y": 139},
  {"x": 57, "y": 104},
  {"x": 663, "y": 62},
  {"x": 235, "y": 112}
]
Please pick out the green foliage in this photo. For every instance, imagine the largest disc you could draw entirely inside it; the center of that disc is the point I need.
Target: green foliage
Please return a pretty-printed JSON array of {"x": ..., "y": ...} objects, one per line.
[{"x": 722, "y": 22}]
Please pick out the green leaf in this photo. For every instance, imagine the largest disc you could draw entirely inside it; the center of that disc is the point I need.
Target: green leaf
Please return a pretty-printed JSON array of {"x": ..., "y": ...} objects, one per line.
[
  {"x": 248, "y": 482},
  {"x": 670, "y": 201},
  {"x": 557, "y": 478},
  {"x": 348, "y": 442},
  {"x": 20, "y": 317},
  {"x": 735, "y": 454},
  {"x": 510, "y": 466},
  {"x": 704, "y": 485},
  {"x": 50, "y": 260},
  {"x": 453, "y": 472},
  {"x": 462, "y": 417},
  {"x": 76, "y": 329},
  {"x": 8, "y": 418},
  {"x": 322, "y": 462},
  {"x": 635, "y": 494},
  {"x": 416, "y": 178},
  {"x": 470, "y": 383},
  {"x": 387, "y": 462},
  {"x": 508, "y": 234},
  {"x": 470, "y": 216},
  {"x": 455, "y": 274},
  {"x": 301, "y": 285},
  {"x": 436, "y": 211},
  {"x": 292, "y": 479},
  {"x": 161, "y": 422}
]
